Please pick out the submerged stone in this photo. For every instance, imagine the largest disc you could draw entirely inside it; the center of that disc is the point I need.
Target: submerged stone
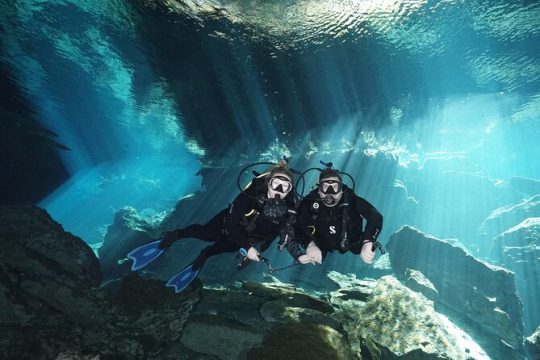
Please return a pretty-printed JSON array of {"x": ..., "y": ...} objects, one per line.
[
  {"x": 533, "y": 344},
  {"x": 302, "y": 341},
  {"x": 506, "y": 217},
  {"x": 416, "y": 281},
  {"x": 219, "y": 336},
  {"x": 406, "y": 323},
  {"x": 45, "y": 269},
  {"x": 481, "y": 296}
]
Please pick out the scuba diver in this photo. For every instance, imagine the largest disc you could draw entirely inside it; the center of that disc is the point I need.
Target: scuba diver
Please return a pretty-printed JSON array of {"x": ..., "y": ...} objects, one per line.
[
  {"x": 253, "y": 220},
  {"x": 332, "y": 217}
]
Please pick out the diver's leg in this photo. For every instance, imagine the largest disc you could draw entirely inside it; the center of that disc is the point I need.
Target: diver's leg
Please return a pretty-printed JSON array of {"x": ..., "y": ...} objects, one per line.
[
  {"x": 181, "y": 280},
  {"x": 211, "y": 231},
  {"x": 219, "y": 247}
]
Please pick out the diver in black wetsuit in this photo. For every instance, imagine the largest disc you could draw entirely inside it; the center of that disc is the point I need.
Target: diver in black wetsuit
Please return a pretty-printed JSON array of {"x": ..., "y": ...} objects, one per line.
[
  {"x": 254, "y": 219},
  {"x": 332, "y": 217}
]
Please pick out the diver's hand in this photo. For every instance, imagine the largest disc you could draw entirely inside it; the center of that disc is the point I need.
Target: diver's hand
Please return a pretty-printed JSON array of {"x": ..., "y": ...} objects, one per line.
[
  {"x": 169, "y": 237},
  {"x": 367, "y": 254},
  {"x": 253, "y": 254},
  {"x": 313, "y": 253},
  {"x": 304, "y": 259}
]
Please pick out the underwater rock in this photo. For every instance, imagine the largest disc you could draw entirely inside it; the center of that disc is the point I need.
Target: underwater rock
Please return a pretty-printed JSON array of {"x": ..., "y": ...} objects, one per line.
[
  {"x": 416, "y": 281},
  {"x": 144, "y": 319},
  {"x": 518, "y": 244},
  {"x": 47, "y": 283},
  {"x": 233, "y": 303},
  {"x": 70, "y": 355},
  {"x": 219, "y": 336},
  {"x": 374, "y": 351},
  {"x": 280, "y": 311},
  {"x": 532, "y": 344},
  {"x": 51, "y": 305},
  {"x": 482, "y": 297},
  {"x": 302, "y": 341},
  {"x": 527, "y": 186},
  {"x": 506, "y": 217},
  {"x": 258, "y": 312},
  {"x": 350, "y": 288},
  {"x": 128, "y": 231},
  {"x": 294, "y": 297},
  {"x": 406, "y": 323},
  {"x": 44, "y": 267},
  {"x": 518, "y": 249}
]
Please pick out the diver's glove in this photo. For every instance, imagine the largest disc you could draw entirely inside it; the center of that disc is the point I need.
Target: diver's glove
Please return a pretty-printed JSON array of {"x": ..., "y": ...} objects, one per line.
[
  {"x": 367, "y": 253},
  {"x": 313, "y": 255},
  {"x": 169, "y": 237},
  {"x": 253, "y": 254},
  {"x": 304, "y": 259}
]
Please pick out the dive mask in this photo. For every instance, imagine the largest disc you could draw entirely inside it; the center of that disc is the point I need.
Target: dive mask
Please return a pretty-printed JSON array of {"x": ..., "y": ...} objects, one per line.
[
  {"x": 330, "y": 186},
  {"x": 279, "y": 187},
  {"x": 330, "y": 191}
]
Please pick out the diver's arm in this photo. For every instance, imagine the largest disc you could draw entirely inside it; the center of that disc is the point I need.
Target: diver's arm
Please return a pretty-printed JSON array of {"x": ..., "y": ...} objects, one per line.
[
  {"x": 374, "y": 219},
  {"x": 241, "y": 205},
  {"x": 288, "y": 234},
  {"x": 303, "y": 218},
  {"x": 293, "y": 247}
]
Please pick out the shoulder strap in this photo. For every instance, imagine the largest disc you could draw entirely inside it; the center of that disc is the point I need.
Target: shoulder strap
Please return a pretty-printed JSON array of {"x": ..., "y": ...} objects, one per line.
[
  {"x": 314, "y": 208},
  {"x": 345, "y": 242}
]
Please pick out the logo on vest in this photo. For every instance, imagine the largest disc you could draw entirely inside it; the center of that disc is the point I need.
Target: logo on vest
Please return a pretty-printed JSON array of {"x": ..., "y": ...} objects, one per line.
[{"x": 332, "y": 229}]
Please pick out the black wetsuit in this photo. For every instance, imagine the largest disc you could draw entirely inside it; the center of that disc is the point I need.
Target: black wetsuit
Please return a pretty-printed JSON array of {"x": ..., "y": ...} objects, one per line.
[
  {"x": 324, "y": 225},
  {"x": 251, "y": 219}
]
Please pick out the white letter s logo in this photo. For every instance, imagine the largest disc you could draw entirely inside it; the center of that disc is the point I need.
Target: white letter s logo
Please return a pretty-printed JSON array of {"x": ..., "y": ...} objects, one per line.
[{"x": 332, "y": 229}]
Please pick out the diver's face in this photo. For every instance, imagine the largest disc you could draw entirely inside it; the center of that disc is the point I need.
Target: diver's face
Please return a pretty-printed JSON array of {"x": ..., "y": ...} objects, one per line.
[
  {"x": 279, "y": 186},
  {"x": 330, "y": 191}
]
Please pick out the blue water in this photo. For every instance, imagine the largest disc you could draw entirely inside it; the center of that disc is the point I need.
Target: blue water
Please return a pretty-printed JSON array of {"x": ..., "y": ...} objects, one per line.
[{"x": 433, "y": 107}]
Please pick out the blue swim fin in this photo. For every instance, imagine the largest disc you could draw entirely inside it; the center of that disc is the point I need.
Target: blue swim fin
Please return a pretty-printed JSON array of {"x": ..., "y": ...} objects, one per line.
[
  {"x": 182, "y": 280},
  {"x": 145, "y": 254}
]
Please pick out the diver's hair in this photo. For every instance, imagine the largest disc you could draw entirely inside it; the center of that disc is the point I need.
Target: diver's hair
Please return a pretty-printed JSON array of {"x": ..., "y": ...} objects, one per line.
[
  {"x": 326, "y": 173},
  {"x": 282, "y": 167}
]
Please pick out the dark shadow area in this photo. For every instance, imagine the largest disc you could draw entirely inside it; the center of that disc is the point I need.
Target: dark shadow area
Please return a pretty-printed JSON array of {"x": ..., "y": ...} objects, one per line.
[{"x": 30, "y": 167}]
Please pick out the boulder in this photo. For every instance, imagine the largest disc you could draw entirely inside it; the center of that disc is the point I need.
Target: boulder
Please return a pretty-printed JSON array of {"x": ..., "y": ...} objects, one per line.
[
  {"x": 47, "y": 285},
  {"x": 146, "y": 318},
  {"x": 404, "y": 322},
  {"x": 268, "y": 309},
  {"x": 526, "y": 186},
  {"x": 350, "y": 288},
  {"x": 219, "y": 336},
  {"x": 518, "y": 249},
  {"x": 506, "y": 217},
  {"x": 416, "y": 281},
  {"x": 303, "y": 341},
  {"x": 52, "y": 307},
  {"x": 280, "y": 311},
  {"x": 295, "y": 297},
  {"x": 484, "y": 296},
  {"x": 73, "y": 317},
  {"x": 532, "y": 343},
  {"x": 517, "y": 244},
  {"x": 43, "y": 269}
]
